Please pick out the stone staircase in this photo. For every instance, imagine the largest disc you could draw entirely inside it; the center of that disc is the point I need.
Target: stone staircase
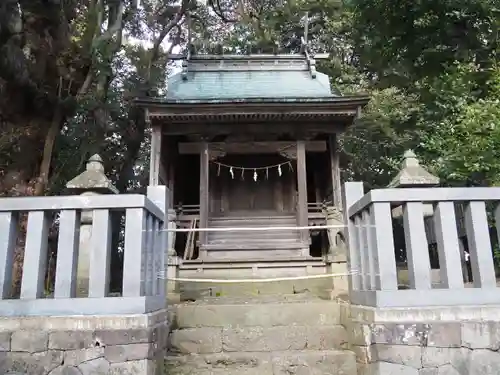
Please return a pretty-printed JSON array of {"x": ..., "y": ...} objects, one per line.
[
  {"x": 255, "y": 245},
  {"x": 267, "y": 335}
]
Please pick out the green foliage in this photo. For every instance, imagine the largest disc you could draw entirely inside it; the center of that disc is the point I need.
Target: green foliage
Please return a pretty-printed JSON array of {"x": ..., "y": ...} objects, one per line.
[
  {"x": 430, "y": 67},
  {"x": 467, "y": 140}
]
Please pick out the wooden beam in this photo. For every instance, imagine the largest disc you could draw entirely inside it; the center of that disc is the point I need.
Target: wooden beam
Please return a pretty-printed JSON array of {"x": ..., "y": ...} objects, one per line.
[
  {"x": 203, "y": 127},
  {"x": 204, "y": 203},
  {"x": 302, "y": 219},
  {"x": 335, "y": 171},
  {"x": 155, "y": 155},
  {"x": 163, "y": 179},
  {"x": 250, "y": 147}
]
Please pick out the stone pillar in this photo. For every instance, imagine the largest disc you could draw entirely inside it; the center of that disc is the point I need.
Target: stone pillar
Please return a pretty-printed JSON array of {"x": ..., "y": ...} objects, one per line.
[
  {"x": 336, "y": 251},
  {"x": 173, "y": 260},
  {"x": 91, "y": 182},
  {"x": 412, "y": 175},
  {"x": 160, "y": 195}
]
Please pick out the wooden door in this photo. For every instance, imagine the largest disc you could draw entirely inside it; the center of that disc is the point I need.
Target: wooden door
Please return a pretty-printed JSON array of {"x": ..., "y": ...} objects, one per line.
[{"x": 246, "y": 195}]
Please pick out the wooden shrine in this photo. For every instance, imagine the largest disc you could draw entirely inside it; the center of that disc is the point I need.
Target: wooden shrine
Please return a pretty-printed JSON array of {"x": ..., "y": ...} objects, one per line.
[{"x": 246, "y": 141}]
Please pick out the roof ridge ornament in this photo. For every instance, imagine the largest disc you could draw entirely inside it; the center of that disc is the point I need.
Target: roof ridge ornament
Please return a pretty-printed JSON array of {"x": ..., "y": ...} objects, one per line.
[
  {"x": 190, "y": 48},
  {"x": 304, "y": 48}
]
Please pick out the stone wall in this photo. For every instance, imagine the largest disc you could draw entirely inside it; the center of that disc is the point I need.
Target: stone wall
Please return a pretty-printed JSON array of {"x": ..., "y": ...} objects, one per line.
[
  {"x": 82, "y": 345},
  {"x": 426, "y": 341}
]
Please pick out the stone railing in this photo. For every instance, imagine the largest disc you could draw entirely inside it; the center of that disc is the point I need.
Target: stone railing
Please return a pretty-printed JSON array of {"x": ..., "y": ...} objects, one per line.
[
  {"x": 372, "y": 253},
  {"x": 143, "y": 286}
]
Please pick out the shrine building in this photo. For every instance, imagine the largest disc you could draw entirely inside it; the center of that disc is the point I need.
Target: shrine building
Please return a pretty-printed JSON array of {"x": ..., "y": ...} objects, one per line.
[{"x": 249, "y": 141}]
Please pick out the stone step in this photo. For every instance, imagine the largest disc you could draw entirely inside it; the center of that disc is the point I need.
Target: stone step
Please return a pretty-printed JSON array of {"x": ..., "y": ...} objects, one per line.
[
  {"x": 258, "y": 300},
  {"x": 207, "y": 340},
  {"x": 253, "y": 222},
  {"x": 303, "y": 362},
  {"x": 263, "y": 311},
  {"x": 241, "y": 234},
  {"x": 255, "y": 245}
]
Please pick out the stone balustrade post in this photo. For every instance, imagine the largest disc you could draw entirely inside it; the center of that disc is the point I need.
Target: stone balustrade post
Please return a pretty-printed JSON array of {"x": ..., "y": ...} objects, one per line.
[
  {"x": 91, "y": 182},
  {"x": 160, "y": 195}
]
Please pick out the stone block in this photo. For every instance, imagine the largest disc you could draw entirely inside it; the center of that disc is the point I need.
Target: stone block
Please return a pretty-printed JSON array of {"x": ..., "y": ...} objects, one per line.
[
  {"x": 221, "y": 363},
  {"x": 125, "y": 336},
  {"x": 314, "y": 363},
  {"x": 481, "y": 335},
  {"x": 399, "y": 334},
  {"x": 484, "y": 362},
  {"x": 31, "y": 363},
  {"x": 133, "y": 367},
  {"x": 66, "y": 370},
  {"x": 5, "y": 341},
  {"x": 326, "y": 337},
  {"x": 437, "y": 357},
  {"x": 360, "y": 333},
  {"x": 264, "y": 315},
  {"x": 197, "y": 340},
  {"x": 130, "y": 352},
  {"x": 446, "y": 334},
  {"x": 71, "y": 340},
  {"x": 260, "y": 339},
  {"x": 363, "y": 354},
  {"x": 398, "y": 354},
  {"x": 385, "y": 368},
  {"x": 29, "y": 341},
  {"x": 75, "y": 357},
  {"x": 96, "y": 366},
  {"x": 443, "y": 370}
]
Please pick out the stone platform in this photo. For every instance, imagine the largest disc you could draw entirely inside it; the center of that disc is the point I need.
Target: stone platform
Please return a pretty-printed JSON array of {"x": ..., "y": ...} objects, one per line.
[
  {"x": 277, "y": 268},
  {"x": 84, "y": 345},
  {"x": 266, "y": 335},
  {"x": 425, "y": 341}
]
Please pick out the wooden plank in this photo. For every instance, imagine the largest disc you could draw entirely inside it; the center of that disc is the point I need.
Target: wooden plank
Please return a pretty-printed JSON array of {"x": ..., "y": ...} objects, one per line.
[
  {"x": 155, "y": 156},
  {"x": 302, "y": 188},
  {"x": 249, "y": 147},
  {"x": 204, "y": 202},
  {"x": 335, "y": 171}
]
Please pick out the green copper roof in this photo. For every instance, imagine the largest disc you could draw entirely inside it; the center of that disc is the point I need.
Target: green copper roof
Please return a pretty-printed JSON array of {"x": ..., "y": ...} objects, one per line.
[{"x": 248, "y": 77}]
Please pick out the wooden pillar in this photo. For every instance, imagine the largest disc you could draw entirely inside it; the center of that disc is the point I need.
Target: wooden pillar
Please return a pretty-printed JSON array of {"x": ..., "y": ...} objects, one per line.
[
  {"x": 335, "y": 171},
  {"x": 204, "y": 202},
  {"x": 155, "y": 156},
  {"x": 171, "y": 182},
  {"x": 302, "y": 219}
]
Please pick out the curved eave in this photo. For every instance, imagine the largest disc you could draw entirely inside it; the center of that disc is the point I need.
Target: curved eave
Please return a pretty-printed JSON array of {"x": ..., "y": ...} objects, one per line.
[
  {"x": 357, "y": 99},
  {"x": 286, "y": 109}
]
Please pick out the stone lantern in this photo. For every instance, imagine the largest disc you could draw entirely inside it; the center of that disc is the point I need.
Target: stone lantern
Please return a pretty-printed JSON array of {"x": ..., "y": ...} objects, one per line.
[
  {"x": 413, "y": 175},
  {"x": 90, "y": 182}
]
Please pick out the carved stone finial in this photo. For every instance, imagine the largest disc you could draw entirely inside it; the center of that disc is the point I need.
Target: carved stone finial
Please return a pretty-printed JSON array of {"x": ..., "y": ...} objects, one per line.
[
  {"x": 412, "y": 174},
  {"x": 93, "y": 179},
  {"x": 95, "y": 164},
  {"x": 410, "y": 159}
]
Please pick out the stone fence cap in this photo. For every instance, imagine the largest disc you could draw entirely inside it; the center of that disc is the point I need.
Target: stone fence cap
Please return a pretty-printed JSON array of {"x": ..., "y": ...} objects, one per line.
[
  {"x": 93, "y": 178},
  {"x": 412, "y": 174}
]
